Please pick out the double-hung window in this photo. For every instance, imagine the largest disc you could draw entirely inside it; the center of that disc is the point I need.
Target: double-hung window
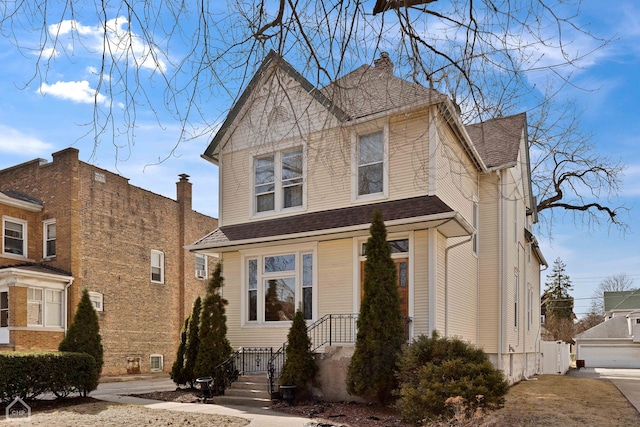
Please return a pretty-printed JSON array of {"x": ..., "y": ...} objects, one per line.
[
  {"x": 276, "y": 285},
  {"x": 370, "y": 173},
  {"x": 201, "y": 266},
  {"x": 157, "y": 266},
  {"x": 44, "y": 307},
  {"x": 14, "y": 232},
  {"x": 49, "y": 233},
  {"x": 279, "y": 181},
  {"x": 4, "y": 309}
]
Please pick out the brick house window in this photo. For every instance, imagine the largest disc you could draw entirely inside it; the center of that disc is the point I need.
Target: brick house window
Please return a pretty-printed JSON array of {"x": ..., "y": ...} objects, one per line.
[
  {"x": 44, "y": 307},
  {"x": 97, "y": 300},
  {"x": 14, "y": 232},
  {"x": 49, "y": 234},
  {"x": 201, "y": 266},
  {"x": 157, "y": 266},
  {"x": 4, "y": 309},
  {"x": 156, "y": 362}
]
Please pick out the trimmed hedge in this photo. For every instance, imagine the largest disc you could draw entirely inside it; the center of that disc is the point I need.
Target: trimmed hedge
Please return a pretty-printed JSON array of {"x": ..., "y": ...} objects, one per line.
[{"x": 28, "y": 375}]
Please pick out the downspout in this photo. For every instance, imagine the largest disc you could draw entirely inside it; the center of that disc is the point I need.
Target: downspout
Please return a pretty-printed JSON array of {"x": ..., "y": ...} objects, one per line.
[
  {"x": 446, "y": 282},
  {"x": 500, "y": 268},
  {"x": 66, "y": 306}
]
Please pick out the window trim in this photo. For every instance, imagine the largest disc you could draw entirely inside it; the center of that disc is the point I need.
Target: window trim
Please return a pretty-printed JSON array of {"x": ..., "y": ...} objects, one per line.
[
  {"x": 161, "y": 360},
  {"x": 278, "y": 191},
  {"x": 97, "y": 297},
  {"x": 25, "y": 237},
  {"x": 204, "y": 272},
  {"x": 161, "y": 266},
  {"x": 355, "y": 164},
  {"x": 45, "y": 239},
  {"x": 260, "y": 254},
  {"x": 475, "y": 245},
  {"x": 516, "y": 301},
  {"x": 45, "y": 305},
  {"x": 4, "y": 309}
]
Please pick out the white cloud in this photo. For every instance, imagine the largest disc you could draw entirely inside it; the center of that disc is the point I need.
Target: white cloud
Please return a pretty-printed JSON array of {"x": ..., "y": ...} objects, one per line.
[
  {"x": 13, "y": 141},
  {"x": 79, "y": 92},
  {"x": 122, "y": 44}
]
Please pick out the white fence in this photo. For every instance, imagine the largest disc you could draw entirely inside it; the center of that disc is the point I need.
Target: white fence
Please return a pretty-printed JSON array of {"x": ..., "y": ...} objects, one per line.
[{"x": 555, "y": 357}]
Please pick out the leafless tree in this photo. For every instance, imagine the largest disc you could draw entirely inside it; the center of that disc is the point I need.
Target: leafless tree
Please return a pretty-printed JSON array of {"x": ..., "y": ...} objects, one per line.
[
  {"x": 617, "y": 282},
  {"x": 485, "y": 54},
  {"x": 558, "y": 329}
]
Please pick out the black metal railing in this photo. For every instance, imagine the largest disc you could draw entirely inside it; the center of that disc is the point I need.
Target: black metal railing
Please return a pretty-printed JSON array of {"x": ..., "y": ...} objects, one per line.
[
  {"x": 274, "y": 367},
  {"x": 247, "y": 360},
  {"x": 333, "y": 329}
]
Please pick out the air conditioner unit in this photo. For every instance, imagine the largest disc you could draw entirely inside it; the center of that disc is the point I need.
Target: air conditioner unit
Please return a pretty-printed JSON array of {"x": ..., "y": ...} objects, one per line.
[{"x": 200, "y": 274}]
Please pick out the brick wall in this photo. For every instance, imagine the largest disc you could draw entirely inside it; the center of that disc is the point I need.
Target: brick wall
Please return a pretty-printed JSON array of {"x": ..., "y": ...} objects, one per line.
[{"x": 106, "y": 229}]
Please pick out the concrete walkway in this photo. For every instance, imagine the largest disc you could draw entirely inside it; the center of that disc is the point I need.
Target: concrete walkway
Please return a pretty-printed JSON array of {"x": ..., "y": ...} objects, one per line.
[
  {"x": 626, "y": 380},
  {"x": 117, "y": 390}
]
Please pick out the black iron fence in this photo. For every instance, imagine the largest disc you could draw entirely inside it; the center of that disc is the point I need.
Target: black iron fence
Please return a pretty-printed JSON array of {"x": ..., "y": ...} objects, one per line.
[{"x": 333, "y": 329}]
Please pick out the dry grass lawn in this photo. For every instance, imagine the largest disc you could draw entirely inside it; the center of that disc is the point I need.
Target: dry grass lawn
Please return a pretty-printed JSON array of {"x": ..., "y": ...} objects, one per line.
[{"x": 564, "y": 401}]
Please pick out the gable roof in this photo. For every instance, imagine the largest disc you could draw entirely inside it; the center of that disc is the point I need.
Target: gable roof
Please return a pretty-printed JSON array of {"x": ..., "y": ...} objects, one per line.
[
  {"x": 616, "y": 327},
  {"x": 421, "y": 209},
  {"x": 622, "y": 300},
  {"x": 370, "y": 90},
  {"x": 270, "y": 61},
  {"x": 498, "y": 140}
]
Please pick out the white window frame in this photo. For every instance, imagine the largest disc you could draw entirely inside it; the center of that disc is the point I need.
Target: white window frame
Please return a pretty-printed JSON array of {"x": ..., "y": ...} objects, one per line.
[
  {"x": 529, "y": 307},
  {"x": 97, "y": 299},
  {"x": 46, "y": 306},
  {"x": 355, "y": 164},
  {"x": 259, "y": 255},
  {"x": 201, "y": 273},
  {"x": 160, "y": 264},
  {"x": 475, "y": 215},
  {"x": 279, "y": 185},
  {"x": 46, "y": 239},
  {"x": 25, "y": 234},
  {"x": 160, "y": 359}
]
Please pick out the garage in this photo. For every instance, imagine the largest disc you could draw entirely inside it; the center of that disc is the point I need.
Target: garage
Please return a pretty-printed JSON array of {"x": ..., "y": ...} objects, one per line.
[{"x": 609, "y": 355}]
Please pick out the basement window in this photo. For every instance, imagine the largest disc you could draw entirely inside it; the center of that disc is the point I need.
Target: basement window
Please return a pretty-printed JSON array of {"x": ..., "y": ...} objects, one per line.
[{"x": 156, "y": 362}]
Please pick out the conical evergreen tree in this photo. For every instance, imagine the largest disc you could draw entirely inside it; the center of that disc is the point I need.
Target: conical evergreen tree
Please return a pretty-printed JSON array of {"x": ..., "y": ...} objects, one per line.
[
  {"x": 214, "y": 347},
  {"x": 193, "y": 343},
  {"x": 558, "y": 303},
  {"x": 83, "y": 336},
  {"x": 300, "y": 365},
  {"x": 177, "y": 370},
  {"x": 380, "y": 338}
]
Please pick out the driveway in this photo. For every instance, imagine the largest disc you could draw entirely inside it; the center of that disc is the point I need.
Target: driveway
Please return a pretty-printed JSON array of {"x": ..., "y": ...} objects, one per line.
[{"x": 626, "y": 380}]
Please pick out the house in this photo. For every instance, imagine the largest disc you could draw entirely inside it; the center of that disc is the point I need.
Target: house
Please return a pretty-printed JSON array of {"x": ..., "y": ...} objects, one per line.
[
  {"x": 302, "y": 170},
  {"x": 614, "y": 343},
  {"x": 69, "y": 226}
]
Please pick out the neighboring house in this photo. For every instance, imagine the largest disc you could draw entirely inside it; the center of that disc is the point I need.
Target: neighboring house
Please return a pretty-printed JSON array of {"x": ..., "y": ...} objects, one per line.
[
  {"x": 69, "y": 226},
  {"x": 614, "y": 343},
  {"x": 302, "y": 170}
]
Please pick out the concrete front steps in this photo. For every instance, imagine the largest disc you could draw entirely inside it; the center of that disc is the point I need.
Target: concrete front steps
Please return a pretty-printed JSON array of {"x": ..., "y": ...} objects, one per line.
[{"x": 247, "y": 390}]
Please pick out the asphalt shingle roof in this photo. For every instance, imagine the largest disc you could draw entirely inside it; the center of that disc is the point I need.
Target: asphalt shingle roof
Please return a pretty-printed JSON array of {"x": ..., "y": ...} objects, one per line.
[{"x": 498, "y": 140}]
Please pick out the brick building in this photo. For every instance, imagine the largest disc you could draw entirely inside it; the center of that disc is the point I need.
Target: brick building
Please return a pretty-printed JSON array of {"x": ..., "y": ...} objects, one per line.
[{"x": 67, "y": 226}]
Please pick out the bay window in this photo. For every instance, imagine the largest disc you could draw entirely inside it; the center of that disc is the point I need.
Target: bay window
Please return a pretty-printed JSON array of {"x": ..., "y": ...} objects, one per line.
[
  {"x": 44, "y": 307},
  {"x": 276, "y": 285}
]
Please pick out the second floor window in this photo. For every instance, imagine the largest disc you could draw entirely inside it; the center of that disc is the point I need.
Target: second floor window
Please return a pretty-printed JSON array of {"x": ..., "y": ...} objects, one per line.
[
  {"x": 279, "y": 180},
  {"x": 157, "y": 266},
  {"x": 201, "y": 266},
  {"x": 49, "y": 239},
  {"x": 370, "y": 164},
  {"x": 14, "y": 237}
]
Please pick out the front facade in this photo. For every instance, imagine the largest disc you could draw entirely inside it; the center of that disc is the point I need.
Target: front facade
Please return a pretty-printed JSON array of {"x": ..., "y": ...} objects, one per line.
[
  {"x": 69, "y": 226},
  {"x": 302, "y": 170}
]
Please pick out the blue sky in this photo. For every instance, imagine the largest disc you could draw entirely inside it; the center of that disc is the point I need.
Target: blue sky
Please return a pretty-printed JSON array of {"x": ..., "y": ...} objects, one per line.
[{"x": 41, "y": 114}]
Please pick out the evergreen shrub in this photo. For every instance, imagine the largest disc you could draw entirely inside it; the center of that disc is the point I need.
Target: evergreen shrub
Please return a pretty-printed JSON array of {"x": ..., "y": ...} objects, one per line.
[{"x": 432, "y": 370}]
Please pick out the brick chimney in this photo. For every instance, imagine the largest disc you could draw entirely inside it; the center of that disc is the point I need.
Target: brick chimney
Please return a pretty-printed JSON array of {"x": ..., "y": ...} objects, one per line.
[
  {"x": 383, "y": 63},
  {"x": 184, "y": 191}
]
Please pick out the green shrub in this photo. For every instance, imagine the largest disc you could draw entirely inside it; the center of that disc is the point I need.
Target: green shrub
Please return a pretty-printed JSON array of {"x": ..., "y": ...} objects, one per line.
[
  {"x": 300, "y": 363},
  {"x": 28, "y": 375},
  {"x": 435, "y": 369}
]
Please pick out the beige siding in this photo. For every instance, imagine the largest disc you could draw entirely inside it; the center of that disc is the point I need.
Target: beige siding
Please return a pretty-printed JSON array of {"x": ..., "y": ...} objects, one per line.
[
  {"x": 488, "y": 252},
  {"x": 457, "y": 178},
  {"x": 248, "y": 335},
  {"x": 440, "y": 312},
  {"x": 335, "y": 277},
  {"x": 421, "y": 283}
]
